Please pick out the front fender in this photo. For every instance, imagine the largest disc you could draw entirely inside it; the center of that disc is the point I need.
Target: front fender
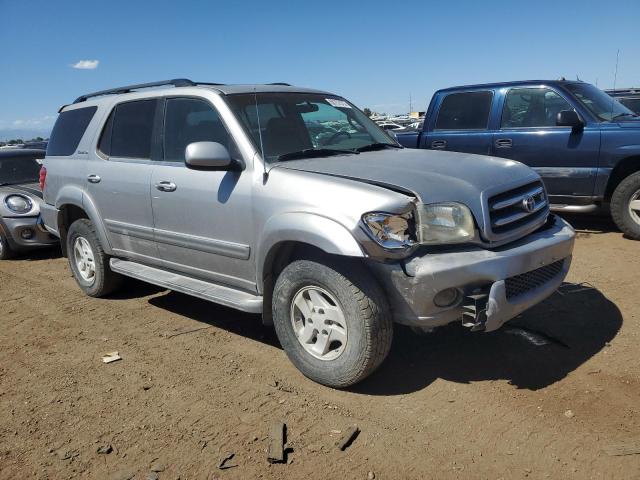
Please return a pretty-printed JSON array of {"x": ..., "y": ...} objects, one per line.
[{"x": 321, "y": 232}]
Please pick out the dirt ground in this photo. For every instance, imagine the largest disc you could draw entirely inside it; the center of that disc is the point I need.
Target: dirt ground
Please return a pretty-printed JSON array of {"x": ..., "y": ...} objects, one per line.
[{"x": 198, "y": 381}]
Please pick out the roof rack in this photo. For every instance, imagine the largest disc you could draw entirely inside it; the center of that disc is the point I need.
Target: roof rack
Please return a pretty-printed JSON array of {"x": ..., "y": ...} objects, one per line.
[
  {"x": 176, "y": 82},
  {"x": 280, "y": 83}
]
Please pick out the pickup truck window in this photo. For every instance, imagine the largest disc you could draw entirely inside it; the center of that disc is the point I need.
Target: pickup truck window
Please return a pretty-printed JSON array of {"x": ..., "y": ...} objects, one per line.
[
  {"x": 281, "y": 124},
  {"x": 532, "y": 107},
  {"x": 604, "y": 107},
  {"x": 190, "y": 120},
  {"x": 465, "y": 111}
]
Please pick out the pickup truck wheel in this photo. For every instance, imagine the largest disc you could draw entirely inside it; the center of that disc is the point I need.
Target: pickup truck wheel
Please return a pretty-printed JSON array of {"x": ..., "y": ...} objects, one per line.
[
  {"x": 88, "y": 262},
  {"x": 334, "y": 326},
  {"x": 5, "y": 249},
  {"x": 625, "y": 206}
]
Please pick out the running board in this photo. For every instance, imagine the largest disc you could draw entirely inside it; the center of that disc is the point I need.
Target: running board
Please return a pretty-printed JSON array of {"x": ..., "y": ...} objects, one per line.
[
  {"x": 560, "y": 208},
  {"x": 226, "y": 296}
]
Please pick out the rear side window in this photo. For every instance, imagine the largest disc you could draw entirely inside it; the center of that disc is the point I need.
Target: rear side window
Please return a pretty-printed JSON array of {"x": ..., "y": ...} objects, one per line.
[
  {"x": 465, "y": 111},
  {"x": 129, "y": 129},
  {"x": 68, "y": 130}
]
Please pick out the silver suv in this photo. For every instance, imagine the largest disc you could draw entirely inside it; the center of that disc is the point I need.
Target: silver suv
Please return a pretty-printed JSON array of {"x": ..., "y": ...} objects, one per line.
[{"x": 291, "y": 203}]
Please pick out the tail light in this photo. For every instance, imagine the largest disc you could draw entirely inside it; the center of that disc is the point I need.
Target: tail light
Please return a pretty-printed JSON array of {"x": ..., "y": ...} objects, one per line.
[{"x": 43, "y": 177}]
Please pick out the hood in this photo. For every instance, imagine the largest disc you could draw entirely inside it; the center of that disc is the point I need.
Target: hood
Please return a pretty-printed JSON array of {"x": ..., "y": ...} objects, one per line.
[
  {"x": 31, "y": 189},
  {"x": 429, "y": 175}
]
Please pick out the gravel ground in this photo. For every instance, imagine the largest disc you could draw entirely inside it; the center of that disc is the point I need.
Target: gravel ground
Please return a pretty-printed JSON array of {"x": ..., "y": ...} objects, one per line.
[{"x": 197, "y": 382}]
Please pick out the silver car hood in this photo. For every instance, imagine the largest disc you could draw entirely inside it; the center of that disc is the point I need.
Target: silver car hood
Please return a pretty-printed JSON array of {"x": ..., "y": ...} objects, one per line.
[
  {"x": 429, "y": 175},
  {"x": 30, "y": 189}
]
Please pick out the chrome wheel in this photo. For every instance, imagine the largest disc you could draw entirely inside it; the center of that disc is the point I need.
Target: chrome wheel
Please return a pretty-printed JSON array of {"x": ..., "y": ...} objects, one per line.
[
  {"x": 318, "y": 322},
  {"x": 85, "y": 260},
  {"x": 634, "y": 207}
]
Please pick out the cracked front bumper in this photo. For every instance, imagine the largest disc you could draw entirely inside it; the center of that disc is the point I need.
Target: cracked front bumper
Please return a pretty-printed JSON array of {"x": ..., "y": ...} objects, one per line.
[{"x": 412, "y": 286}]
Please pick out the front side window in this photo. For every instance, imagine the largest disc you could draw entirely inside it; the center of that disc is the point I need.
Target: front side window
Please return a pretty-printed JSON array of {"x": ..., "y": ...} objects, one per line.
[
  {"x": 465, "y": 111},
  {"x": 288, "y": 125},
  {"x": 68, "y": 130},
  {"x": 532, "y": 107},
  {"x": 129, "y": 130},
  {"x": 604, "y": 107},
  {"x": 189, "y": 120}
]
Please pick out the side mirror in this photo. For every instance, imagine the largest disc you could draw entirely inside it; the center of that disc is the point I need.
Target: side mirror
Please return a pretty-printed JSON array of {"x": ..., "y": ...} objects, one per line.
[
  {"x": 569, "y": 118},
  {"x": 211, "y": 155}
]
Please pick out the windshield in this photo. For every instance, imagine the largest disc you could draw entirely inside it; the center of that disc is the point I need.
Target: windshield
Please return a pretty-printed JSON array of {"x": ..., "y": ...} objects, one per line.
[
  {"x": 19, "y": 169},
  {"x": 604, "y": 107},
  {"x": 292, "y": 125}
]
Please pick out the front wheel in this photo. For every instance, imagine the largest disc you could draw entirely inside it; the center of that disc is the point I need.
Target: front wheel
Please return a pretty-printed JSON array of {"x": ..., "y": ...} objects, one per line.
[
  {"x": 334, "y": 326},
  {"x": 625, "y": 206},
  {"x": 88, "y": 262}
]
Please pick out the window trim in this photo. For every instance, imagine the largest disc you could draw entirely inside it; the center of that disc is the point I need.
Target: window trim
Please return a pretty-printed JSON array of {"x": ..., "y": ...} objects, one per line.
[
  {"x": 486, "y": 128},
  {"x": 533, "y": 87},
  {"x": 111, "y": 111}
]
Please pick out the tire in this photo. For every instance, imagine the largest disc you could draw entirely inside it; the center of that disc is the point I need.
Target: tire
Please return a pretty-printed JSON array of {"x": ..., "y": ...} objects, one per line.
[
  {"x": 363, "y": 343},
  {"x": 103, "y": 281},
  {"x": 626, "y": 219},
  {"x": 5, "y": 249}
]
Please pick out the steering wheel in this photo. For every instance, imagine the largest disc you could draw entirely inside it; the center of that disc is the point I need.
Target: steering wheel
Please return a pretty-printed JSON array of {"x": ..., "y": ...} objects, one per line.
[{"x": 335, "y": 136}]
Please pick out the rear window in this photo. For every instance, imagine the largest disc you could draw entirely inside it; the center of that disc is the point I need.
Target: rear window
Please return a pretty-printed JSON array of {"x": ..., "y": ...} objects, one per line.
[
  {"x": 465, "y": 111},
  {"x": 129, "y": 130},
  {"x": 68, "y": 130}
]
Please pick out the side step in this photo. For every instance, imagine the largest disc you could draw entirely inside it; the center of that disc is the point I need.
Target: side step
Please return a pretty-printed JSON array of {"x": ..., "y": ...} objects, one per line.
[{"x": 226, "y": 296}]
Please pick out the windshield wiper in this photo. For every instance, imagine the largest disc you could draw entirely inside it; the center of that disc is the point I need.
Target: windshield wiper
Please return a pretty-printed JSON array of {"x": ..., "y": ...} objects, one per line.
[
  {"x": 376, "y": 146},
  {"x": 624, "y": 114},
  {"x": 314, "y": 152}
]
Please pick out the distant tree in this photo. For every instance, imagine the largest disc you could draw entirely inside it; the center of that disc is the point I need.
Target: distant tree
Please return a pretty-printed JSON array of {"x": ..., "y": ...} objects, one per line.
[
  {"x": 39, "y": 139},
  {"x": 367, "y": 112}
]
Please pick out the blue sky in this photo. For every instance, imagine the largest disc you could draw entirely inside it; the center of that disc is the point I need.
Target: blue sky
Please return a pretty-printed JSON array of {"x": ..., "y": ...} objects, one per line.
[{"x": 375, "y": 53}]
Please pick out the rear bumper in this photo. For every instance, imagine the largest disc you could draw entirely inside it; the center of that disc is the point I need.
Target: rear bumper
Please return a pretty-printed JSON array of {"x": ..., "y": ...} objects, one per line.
[
  {"x": 411, "y": 287},
  {"x": 49, "y": 214},
  {"x": 15, "y": 228}
]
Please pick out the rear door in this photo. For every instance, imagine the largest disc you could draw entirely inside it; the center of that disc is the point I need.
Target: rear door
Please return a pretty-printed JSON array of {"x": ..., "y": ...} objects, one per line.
[
  {"x": 566, "y": 159},
  {"x": 119, "y": 177},
  {"x": 461, "y": 123}
]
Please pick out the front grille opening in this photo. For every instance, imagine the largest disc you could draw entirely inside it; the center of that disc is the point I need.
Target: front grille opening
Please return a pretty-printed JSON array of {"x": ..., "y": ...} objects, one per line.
[
  {"x": 526, "y": 282},
  {"x": 516, "y": 208}
]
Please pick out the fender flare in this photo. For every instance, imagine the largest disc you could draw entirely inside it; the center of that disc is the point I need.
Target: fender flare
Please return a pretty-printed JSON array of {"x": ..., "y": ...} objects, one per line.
[{"x": 321, "y": 232}]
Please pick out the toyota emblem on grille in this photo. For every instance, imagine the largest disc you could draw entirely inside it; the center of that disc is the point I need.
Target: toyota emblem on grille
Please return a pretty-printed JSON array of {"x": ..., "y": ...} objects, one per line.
[{"x": 528, "y": 204}]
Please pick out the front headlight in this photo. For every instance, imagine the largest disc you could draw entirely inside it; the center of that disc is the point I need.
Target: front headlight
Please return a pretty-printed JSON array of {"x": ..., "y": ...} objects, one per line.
[
  {"x": 442, "y": 223},
  {"x": 391, "y": 231},
  {"x": 18, "y": 203}
]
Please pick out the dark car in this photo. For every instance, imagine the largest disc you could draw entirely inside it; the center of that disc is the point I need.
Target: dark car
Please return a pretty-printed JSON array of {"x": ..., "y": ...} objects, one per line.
[
  {"x": 629, "y": 97},
  {"x": 20, "y": 199}
]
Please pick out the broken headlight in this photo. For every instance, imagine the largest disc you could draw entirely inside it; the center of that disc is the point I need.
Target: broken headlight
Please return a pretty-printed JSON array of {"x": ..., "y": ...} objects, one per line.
[{"x": 391, "y": 231}]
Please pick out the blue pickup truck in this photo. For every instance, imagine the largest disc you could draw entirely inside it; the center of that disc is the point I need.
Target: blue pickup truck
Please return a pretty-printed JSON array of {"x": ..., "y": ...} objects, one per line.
[{"x": 583, "y": 143}]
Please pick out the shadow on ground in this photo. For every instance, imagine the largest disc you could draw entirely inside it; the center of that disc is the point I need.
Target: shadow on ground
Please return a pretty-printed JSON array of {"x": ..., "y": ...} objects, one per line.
[
  {"x": 581, "y": 324},
  {"x": 594, "y": 224}
]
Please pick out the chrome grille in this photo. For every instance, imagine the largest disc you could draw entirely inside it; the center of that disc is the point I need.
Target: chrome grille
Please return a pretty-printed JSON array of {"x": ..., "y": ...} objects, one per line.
[
  {"x": 514, "y": 209},
  {"x": 525, "y": 282}
]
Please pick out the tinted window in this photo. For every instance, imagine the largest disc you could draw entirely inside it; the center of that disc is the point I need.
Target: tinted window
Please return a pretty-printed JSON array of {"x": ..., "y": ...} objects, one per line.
[
  {"x": 19, "y": 169},
  {"x": 532, "y": 107},
  {"x": 129, "y": 129},
  {"x": 632, "y": 104},
  {"x": 189, "y": 120},
  {"x": 68, "y": 130},
  {"x": 464, "y": 111}
]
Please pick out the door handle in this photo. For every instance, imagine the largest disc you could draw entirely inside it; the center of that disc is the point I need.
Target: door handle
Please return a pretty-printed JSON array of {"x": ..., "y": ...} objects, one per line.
[
  {"x": 504, "y": 143},
  {"x": 439, "y": 144},
  {"x": 166, "y": 186},
  {"x": 93, "y": 178}
]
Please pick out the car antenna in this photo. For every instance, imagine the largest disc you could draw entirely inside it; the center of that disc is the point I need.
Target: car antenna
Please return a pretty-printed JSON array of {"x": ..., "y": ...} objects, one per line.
[
  {"x": 264, "y": 161},
  {"x": 615, "y": 79}
]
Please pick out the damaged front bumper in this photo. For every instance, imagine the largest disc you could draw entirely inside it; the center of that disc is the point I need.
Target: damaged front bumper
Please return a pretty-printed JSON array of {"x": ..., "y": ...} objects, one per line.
[{"x": 507, "y": 280}]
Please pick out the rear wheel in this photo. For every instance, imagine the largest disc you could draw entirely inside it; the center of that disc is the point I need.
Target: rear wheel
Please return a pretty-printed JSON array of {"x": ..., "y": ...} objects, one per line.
[
  {"x": 625, "y": 206},
  {"x": 334, "y": 326},
  {"x": 5, "y": 250},
  {"x": 88, "y": 262}
]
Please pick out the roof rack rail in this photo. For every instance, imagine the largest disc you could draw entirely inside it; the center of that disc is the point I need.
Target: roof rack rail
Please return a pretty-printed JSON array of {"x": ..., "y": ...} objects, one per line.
[
  {"x": 176, "y": 82},
  {"x": 280, "y": 83}
]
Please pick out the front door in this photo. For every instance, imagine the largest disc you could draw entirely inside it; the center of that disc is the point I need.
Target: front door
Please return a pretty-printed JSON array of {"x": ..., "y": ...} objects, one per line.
[
  {"x": 119, "y": 176},
  {"x": 566, "y": 159},
  {"x": 202, "y": 218}
]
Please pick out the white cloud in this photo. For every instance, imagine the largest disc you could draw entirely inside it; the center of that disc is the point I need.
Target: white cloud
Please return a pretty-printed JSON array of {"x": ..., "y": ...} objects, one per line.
[
  {"x": 33, "y": 122},
  {"x": 86, "y": 64}
]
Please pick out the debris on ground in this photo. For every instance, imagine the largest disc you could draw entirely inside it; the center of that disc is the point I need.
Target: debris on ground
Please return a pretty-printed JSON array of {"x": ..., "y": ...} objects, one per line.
[
  {"x": 349, "y": 436},
  {"x": 569, "y": 288},
  {"x": 538, "y": 339},
  {"x": 111, "y": 357},
  {"x": 569, "y": 414},
  {"x": 157, "y": 467},
  {"x": 275, "y": 453},
  {"x": 371, "y": 476},
  {"x": 152, "y": 476},
  {"x": 183, "y": 331},
  {"x": 105, "y": 449},
  {"x": 621, "y": 449},
  {"x": 223, "y": 463}
]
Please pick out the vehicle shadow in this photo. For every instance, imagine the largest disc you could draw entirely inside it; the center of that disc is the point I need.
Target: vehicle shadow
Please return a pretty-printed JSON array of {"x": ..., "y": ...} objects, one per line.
[
  {"x": 576, "y": 325},
  {"x": 591, "y": 224},
  {"x": 48, "y": 253}
]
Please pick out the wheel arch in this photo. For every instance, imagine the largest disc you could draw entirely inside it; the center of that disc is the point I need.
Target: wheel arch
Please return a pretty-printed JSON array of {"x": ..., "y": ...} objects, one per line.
[
  {"x": 70, "y": 211},
  {"x": 622, "y": 170}
]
